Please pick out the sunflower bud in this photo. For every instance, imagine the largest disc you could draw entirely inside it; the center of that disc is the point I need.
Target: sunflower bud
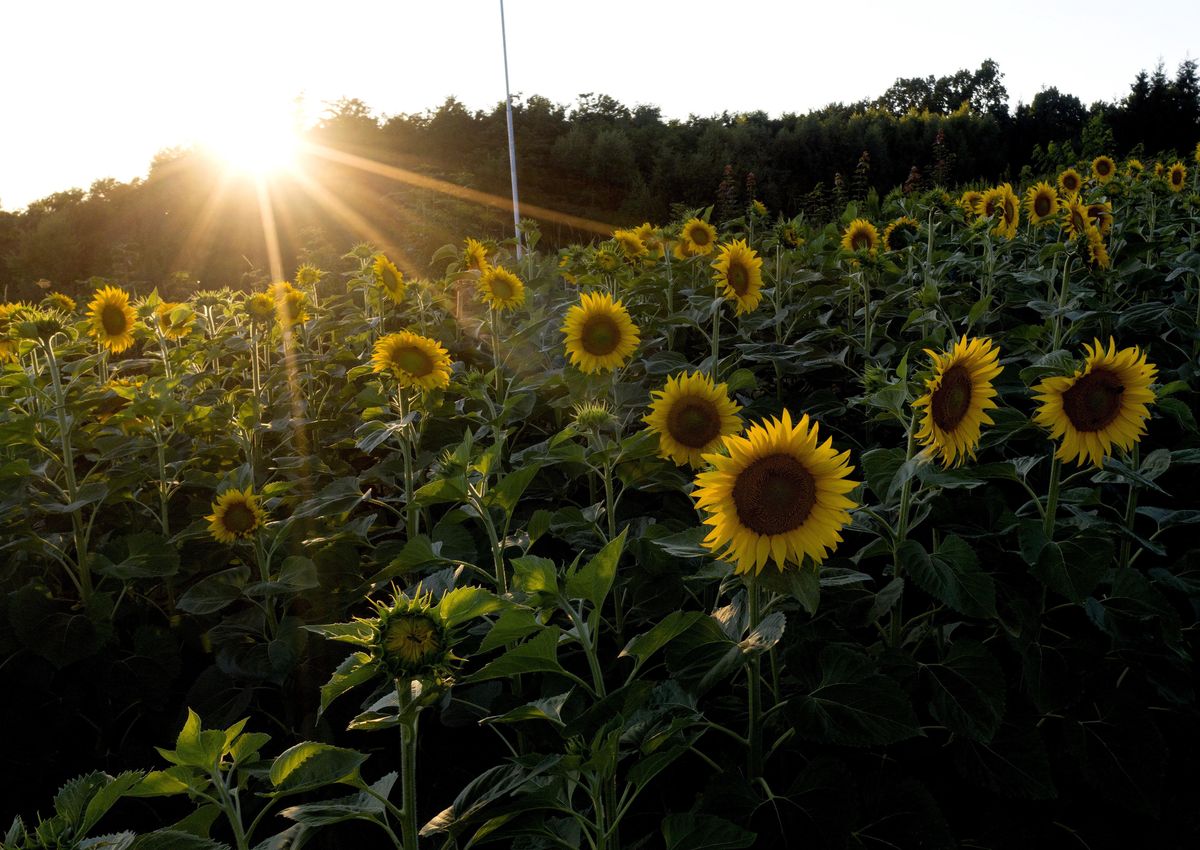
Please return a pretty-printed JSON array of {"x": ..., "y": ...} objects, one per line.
[{"x": 411, "y": 642}]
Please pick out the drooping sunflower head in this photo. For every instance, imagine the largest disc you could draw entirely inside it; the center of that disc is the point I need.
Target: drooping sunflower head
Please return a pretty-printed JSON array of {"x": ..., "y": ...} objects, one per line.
[
  {"x": 475, "y": 255},
  {"x": 59, "y": 301},
  {"x": 690, "y": 415},
  {"x": 174, "y": 320},
  {"x": 957, "y": 397},
  {"x": 1041, "y": 202},
  {"x": 738, "y": 271},
  {"x": 1008, "y": 205},
  {"x": 388, "y": 278},
  {"x": 901, "y": 233},
  {"x": 236, "y": 515},
  {"x": 1102, "y": 405},
  {"x": 413, "y": 360},
  {"x": 1103, "y": 168},
  {"x": 698, "y": 237},
  {"x": 1177, "y": 177},
  {"x": 500, "y": 289},
  {"x": 1070, "y": 181},
  {"x": 600, "y": 335},
  {"x": 1097, "y": 251},
  {"x": 790, "y": 236},
  {"x": 260, "y": 307},
  {"x": 775, "y": 494},
  {"x": 308, "y": 275},
  {"x": 112, "y": 319},
  {"x": 410, "y": 639},
  {"x": 758, "y": 208},
  {"x": 1076, "y": 219},
  {"x": 970, "y": 202},
  {"x": 630, "y": 243},
  {"x": 1134, "y": 169},
  {"x": 860, "y": 236}
]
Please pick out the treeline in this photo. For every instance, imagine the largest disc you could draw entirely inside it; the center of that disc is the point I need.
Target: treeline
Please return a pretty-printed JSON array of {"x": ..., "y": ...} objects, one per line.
[{"x": 188, "y": 224}]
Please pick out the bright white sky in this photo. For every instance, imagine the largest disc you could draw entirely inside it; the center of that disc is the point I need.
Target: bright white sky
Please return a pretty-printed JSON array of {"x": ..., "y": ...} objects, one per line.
[{"x": 93, "y": 88}]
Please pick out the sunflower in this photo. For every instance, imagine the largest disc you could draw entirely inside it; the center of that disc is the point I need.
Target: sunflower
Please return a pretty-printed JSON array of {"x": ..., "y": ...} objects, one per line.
[
  {"x": 500, "y": 289},
  {"x": 564, "y": 269},
  {"x": 775, "y": 493},
  {"x": 758, "y": 208},
  {"x": 414, "y": 360},
  {"x": 900, "y": 233},
  {"x": 8, "y": 345},
  {"x": 790, "y": 236},
  {"x": 1102, "y": 405},
  {"x": 1070, "y": 181},
  {"x": 475, "y": 255},
  {"x": 236, "y": 515},
  {"x": 861, "y": 235},
  {"x": 260, "y": 307},
  {"x": 1103, "y": 168},
  {"x": 1134, "y": 169},
  {"x": 290, "y": 306},
  {"x": 970, "y": 203},
  {"x": 112, "y": 319},
  {"x": 630, "y": 243},
  {"x": 174, "y": 320},
  {"x": 600, "y": 336},
  {"x": 651, "y": 238},
  {"x": 1097, "y": 251},
  {"x": 59, "y": 301},
  {"x": 1176, "y": 176},
  {"x": 308, "y": 275},
  {"x": 1041, "y": 201},
  {"x": 1076, "y": 220},
  {"x": 1159, "y": 169},
  {"x": 410, "y": 639},
  {"x": 697, "y": 237},
  {"x": 738, "y": 270},
  {"x": 389, "y": 278},
  {"x": 956, "y": 399},
  {"x": 1101, "y": 214},
  {"x": 690, "y": 415},
  {"x": 606, "y": 259},
  {"x": 1000, "y": 204}
]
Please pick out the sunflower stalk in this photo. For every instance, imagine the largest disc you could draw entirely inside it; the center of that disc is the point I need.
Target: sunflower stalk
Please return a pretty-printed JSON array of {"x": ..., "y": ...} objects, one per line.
[
  {"x": 1131, "y": 499},
  {"x": 906, "y": 494},
  {"x": 716, "y": 338},
  {"x": 412, "y": 512},
  {"x": 408, "y": 765},
  {"x": 1062, "y": 303},
  {"x": 83, "y": 579},
  {"x": 1052, "y": 498},
  {"x": 754, "y": 763}
]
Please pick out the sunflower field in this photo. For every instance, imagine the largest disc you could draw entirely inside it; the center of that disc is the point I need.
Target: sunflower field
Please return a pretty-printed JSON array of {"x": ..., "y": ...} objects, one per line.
[{"x": 717, "y": 534}]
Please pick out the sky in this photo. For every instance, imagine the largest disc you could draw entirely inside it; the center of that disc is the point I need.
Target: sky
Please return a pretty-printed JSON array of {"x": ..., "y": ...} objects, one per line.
[{"x": 94, "y": 89}]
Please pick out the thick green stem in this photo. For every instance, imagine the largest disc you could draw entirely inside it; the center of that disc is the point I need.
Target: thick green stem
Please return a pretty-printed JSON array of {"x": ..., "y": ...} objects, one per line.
[
  {"x": 163, "y": 487},
  {"x": 412, "y": 514},
  {"x": 84, "y": 577},
  {"x": 897, "y": 614},
  {"x": 495, "y": 350},
  {"x": 754, "y": 759},
  {"x": 866, "y": 287},
  {"x": 408, "y": 768},
  {"x": 1062, "y": 303},
  {"x": 1130, "y": 508},
  {"x": 610, "y": 512},
  {"x": 229, "y": 808},
  {"x": 1052, "y": 499},
  {"x": 716, "y": 340}
]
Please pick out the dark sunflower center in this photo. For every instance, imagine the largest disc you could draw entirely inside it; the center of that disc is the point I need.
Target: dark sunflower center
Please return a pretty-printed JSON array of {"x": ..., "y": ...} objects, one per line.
[
  {"x": 501, "y": 289},
  {"x": 700, "y": 236},
  {"x": 738, "y": 277},
  {"x": 860, "y": 240},
  {"x": 774, "y": 495},
  {"x": 1102, "y": 168},
  {"x": 694, "y": 422},
  {"x": 412, "y": 360},
  {"x": 952, "y": 399},
  {"x": 1010, "y": 210},
  {"x": 239, "y": 519},
  {"x": 1176, "y": 178},
  {"x": 1094, "y": 400},
  {"x": 1078, "y": 221},
  {"x": 114, "y": 320},
  {"x": 1070, "y": 183},
  {"x": 600, "y": 336},
  {"x": 1041, "y": 205}
]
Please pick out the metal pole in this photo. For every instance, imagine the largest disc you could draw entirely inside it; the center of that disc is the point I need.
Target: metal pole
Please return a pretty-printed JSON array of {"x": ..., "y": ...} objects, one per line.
[{"x": 512, "y": 145}]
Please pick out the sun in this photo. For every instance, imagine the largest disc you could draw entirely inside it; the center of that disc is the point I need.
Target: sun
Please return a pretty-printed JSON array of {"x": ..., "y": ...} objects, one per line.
[{"x": 254, "y": 145}]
